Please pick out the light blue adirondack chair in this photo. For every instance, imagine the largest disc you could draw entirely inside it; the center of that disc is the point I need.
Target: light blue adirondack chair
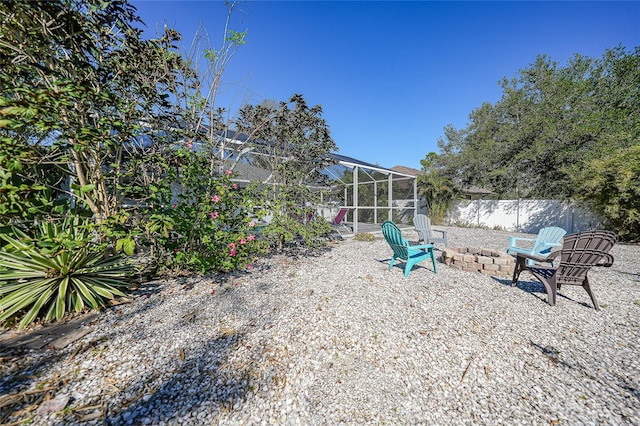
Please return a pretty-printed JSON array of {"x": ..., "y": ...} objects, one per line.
[
  {"x": 547, "y": 239},
  {"x": 404, "y": 251}
]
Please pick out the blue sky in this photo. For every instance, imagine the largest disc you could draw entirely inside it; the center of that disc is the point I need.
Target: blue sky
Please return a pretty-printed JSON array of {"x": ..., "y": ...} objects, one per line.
[{"x": 391, "y": 75}]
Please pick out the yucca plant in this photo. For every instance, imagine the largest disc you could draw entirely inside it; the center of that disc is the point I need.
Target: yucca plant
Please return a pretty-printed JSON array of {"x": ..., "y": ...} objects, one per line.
[{"x": 56, "y": 272}]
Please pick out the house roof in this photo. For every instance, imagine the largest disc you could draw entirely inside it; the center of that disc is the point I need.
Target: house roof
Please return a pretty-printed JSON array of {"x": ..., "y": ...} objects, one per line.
[
  {"x": 352, "y": 162},
  {"x": 407, "y": 170},
  {"x": 475, "y": 190},
  {"x": 249, "y": 172}
]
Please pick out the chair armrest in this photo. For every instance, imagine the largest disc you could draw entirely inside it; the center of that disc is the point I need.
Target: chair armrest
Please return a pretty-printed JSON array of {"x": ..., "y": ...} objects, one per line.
[
  {"x": 512, "y": 240},
  {"x": 422, "y": 246},
  {"x": 547, "y": 259},
  {"x": 606, "y": 261},
  {"x": 443, "y": 232},
  {"x": 550, "y": 245}
]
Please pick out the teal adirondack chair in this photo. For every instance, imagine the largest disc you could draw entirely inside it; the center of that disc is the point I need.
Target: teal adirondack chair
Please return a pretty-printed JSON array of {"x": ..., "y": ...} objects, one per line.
[
  {"x": 547, "y": 239},
  {"x": 404, "y": 251}
]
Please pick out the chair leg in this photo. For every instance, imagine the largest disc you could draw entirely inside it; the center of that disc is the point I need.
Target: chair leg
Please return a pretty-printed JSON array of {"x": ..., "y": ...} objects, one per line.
[
  {"x": 587, "y": 287},
  {"x": 433, "y": 260},
  {"x": 552, "y": 292},
  {"x": 519, "y": 267},
  {"x": 408, "y": 266},
  {"x": 407, "y": 269},
  {"x": 550, "y": 287},
  {"x": 393, "y": 259}
]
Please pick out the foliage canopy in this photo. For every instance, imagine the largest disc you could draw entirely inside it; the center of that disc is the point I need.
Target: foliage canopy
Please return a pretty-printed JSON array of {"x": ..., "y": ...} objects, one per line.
[{"x": 568, "y": 132}]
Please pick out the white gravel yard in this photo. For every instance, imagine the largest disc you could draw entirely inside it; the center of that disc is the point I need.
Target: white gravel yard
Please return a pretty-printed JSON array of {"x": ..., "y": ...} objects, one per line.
[{"x": 339, "y": 338}]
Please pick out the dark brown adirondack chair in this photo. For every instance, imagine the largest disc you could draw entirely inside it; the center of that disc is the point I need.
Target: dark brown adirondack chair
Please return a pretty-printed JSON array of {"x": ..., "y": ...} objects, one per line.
[{"x": 579, "y": 253}]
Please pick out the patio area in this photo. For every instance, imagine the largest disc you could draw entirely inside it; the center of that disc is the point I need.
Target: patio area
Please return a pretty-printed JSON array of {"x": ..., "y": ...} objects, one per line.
[{"x": 339, "y": 338}]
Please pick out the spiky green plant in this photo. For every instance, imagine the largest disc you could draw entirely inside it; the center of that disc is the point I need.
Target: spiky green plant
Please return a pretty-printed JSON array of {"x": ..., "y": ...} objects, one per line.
[{"x": 54, "y": 273}]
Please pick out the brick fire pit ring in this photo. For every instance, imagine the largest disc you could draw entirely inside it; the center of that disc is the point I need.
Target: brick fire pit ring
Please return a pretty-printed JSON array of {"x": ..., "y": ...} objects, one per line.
[{"x": 478, "y": 259}]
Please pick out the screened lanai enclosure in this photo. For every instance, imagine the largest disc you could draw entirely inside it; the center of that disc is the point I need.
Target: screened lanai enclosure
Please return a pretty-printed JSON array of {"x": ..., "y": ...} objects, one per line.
[{"x": 372, "y": 194}]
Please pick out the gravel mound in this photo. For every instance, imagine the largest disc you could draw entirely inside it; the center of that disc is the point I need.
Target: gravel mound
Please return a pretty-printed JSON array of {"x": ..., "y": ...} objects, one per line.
[{"x": 338, "y": 338}]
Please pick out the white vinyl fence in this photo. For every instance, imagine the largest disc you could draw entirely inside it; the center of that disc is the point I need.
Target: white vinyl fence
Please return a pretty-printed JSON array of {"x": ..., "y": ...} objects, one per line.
[{"x": 526, "y": 216}]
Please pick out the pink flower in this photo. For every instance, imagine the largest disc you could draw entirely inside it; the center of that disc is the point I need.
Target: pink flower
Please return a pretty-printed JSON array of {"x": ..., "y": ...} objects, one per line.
[
  {"x": 252, "y": 224},
  {"x": 249, "y": 266},
  {"x": 215, "y": 198},
  {"x": 188, "y": 144},
  {"x": 251, "y": 237},
  {"x": 214, "y": 215},
  {"x": 232, "y": 246},
  {"x": 242, "y": 241},
  {"x": 232, "y": 253},
  {"x": 174, "y": 205},
  {"x": 234, "y": 186},
  {"x": 228, "y": 172}
]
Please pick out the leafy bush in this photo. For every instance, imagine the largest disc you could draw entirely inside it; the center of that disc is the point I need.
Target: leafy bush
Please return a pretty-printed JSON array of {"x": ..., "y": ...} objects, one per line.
[
  {"x": 364, "y": 236},
  {"x": 286, "y": 229},
  {"x": 610, "y": 185},
  {"x": 55, "y": 272},
  {"x": 462, "y": 224},
  {"x": 211, "y": 227}
]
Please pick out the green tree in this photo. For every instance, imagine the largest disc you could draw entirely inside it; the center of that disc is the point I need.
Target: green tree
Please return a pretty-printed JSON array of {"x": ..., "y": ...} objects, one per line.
[
  {"x": 76, "y": 82},
  {"x": 611, "y": 185},
  {"x": 182, "y": 153},
  {"x": 551, "y": 124},
  {"x": 197, "y": 113},
  {"x": 292, "y": 141},
  {"x": 436, "y": 187}
]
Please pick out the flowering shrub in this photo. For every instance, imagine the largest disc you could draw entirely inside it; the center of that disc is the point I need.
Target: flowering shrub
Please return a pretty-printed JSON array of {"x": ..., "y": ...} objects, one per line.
[
  {"x": 212, "y": 227},
  {"x": 216, "y": 233}
]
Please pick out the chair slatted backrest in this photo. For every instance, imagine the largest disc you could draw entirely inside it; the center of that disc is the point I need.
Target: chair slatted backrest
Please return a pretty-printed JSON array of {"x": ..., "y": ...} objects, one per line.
[
  {"x": 393, "y": 235},
  {"x": 546, "y": 237},
  {"x": 423, "y": 225},
  {"x": 340, "y": 216},
  {"x": 580, "y": 252}
]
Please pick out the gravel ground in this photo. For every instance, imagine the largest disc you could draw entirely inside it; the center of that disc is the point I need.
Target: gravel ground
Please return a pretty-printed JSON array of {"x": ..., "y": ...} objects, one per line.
[{"x": 338, "y": 338}]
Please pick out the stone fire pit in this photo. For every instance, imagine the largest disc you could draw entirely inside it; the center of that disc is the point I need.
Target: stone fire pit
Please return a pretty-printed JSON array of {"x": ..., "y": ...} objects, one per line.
[{"x": 479, "y": 259}]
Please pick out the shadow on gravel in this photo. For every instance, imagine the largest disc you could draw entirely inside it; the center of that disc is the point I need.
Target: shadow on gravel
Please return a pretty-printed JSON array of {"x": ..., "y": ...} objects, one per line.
[
  {"x": 536, "y": 287},
  {"x": 400, "y": 265},
  {"x": 22, "y": 364},
  {"x": 196, "y": 386},
  {"x": 531, "y": 287},
  {"x": 633, "y": 276},
  {"x": 16, "y": 387},
  {"x": 622, "y": 383},
  {"x": 205, "y": 379},
  {"x": 298, "y": 251},
  {"x": 209, "y": 378}
]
